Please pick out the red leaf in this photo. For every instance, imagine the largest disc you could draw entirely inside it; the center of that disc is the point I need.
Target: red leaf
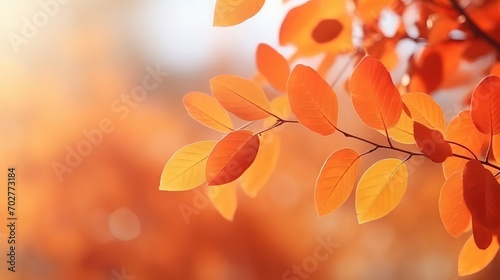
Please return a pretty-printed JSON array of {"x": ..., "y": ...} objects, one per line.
[
  {"x": 482, "y": 194},
  {"x": 482, "y": 237},
  {"x": 231, "y": 156},
  {"x": 431, "y": 142}
]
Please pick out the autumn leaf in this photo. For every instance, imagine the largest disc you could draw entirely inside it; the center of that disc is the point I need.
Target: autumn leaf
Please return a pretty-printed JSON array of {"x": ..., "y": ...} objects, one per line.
[
  {"x": 312, "y": 100},
  {"x": 273, "y": 66},
  {"x": 231, "y": 156},
  {"x": 461, "y": 130},
  {"x": 452, "y": 209},
  {"x": 241, "y": 97},
  {"x": 402, "y": 132},
  {"x": 186, "y": 168},
  {"x": 495, "y": 69},
  {"x": 374, "y": 96},
  {"x": 257, "y": 175},
  {"x": 485, "y": 105},
  {"x": 206, "y": 110},
  {"x": 472, "y": 259},
  {"x": 482, "y": 236},
  {"x": 336, "y": 180},
  {"x": 318, "y": 26},
  {"x": 431, "y": 142},
  {"x": 233, "y": 12},
  {"x": 380, "y": 189},
  {"x": 224, "y": 199},
  {"x": 482, "y": 194},
  {"x": 425, "y": 110}
]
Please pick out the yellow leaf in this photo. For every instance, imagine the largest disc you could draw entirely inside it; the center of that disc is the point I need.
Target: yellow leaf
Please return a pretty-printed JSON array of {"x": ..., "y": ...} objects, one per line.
[
  {"x": 256, "y": 176},
  {"x": 425, "y": 110},
  {"x": 224, "y": 199},
  {"x": 233, "y": 12},
  {"x": 206, "y": 110},
  {"x": 403, "y": 131},
  {"x": 472, "y": 259},
  {"x": 336, "y": 180},
  {"x": 380, "y": 189},
  {"x": 240, "y": 96},
  {"x": 186, "y": 168},
  {"x": 281, "y": 108}
]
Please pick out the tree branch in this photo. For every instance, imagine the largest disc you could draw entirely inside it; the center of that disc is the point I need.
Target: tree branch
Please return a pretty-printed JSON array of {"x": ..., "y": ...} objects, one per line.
[{"x": 473, "y": 26}]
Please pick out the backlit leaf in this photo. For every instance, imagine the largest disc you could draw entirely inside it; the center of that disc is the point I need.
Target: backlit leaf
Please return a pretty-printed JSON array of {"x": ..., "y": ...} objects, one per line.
[
  {"x": 374, "y": 96},
  {"x": 241, "y": 97},
  {"x": 380, "y": 189},
  {"x": 208, "y": 111},
  {"x": 402, "y": 132},
  {"x": 425, "y": 110},
  {"x": 485, "y": 105},
  {"x": 273, "y": 66},
  {"x": 312, "y": 100},
  {"x": 224, "y": 199},
  {"x": 257, "y": 175},
  {"x": 472, "y": 259},
  {"x": 462, "y": 130},
  {"x": 482, "y": 194},
  {"x": 233, "y": 12},
  {"x": 231, "y": 156},
  {"x": 452, "y": 209},
  {"x": 336, "y": 180},
  {"x": 185, "y": 170},
  {"x": 431, "y": 142}
]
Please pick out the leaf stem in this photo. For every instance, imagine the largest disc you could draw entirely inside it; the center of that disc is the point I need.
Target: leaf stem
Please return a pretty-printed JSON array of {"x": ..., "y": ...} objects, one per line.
[{"x": 463, "y": 146}]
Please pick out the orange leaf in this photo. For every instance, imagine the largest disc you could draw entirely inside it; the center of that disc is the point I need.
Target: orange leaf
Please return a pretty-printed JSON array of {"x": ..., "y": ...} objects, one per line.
[
  {"x": 462, "y": 130},
  {"x": 472, "y": 259},
  {"x": 273, "y": 66},
  {"x": 380, "y": 189},
  {"x": 495, "y": 69},
  {"x": 452, "y": 209},
  {"x": 482, "y": 236},
  {"x": 375, "y": 98},
  {"x": 312, "y": 100},
  {"x": 224, "y": 199},
  {"x": 336, "y": 180},
  {"x": 233, "y": 12},
  {"x": 231, "y": 156},
  {"x": 431, "y": 142},
  {"x": 207, "y": 111},
  {"x": 257, "y": 175},
  {"x": 241, "y": 97},
  {"x": 402, "y": 132},
  {"x": 485, "y": 105},
  {"x": 425, "y": 110},
  {"x": 309, "y": 28},
  {"x": 482, "y": 194}
]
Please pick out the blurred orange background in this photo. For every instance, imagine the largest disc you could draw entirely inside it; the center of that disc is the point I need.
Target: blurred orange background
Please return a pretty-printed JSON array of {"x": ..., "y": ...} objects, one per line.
[{"x": 106, "y": 218}]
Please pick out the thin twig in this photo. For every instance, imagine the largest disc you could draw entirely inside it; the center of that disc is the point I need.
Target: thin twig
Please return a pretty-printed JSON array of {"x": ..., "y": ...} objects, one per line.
[{"x": 463, "y": 146}]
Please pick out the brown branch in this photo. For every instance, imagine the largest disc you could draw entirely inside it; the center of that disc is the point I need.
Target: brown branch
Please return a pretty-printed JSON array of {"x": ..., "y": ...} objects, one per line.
[{"x": 473, "y": 26}]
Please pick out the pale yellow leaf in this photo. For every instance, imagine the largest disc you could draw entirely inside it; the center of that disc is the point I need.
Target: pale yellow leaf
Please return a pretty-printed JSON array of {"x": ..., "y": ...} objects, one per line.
[
  {"x": 186, "y": 168},
  {"x": 380, "y": 189}
]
